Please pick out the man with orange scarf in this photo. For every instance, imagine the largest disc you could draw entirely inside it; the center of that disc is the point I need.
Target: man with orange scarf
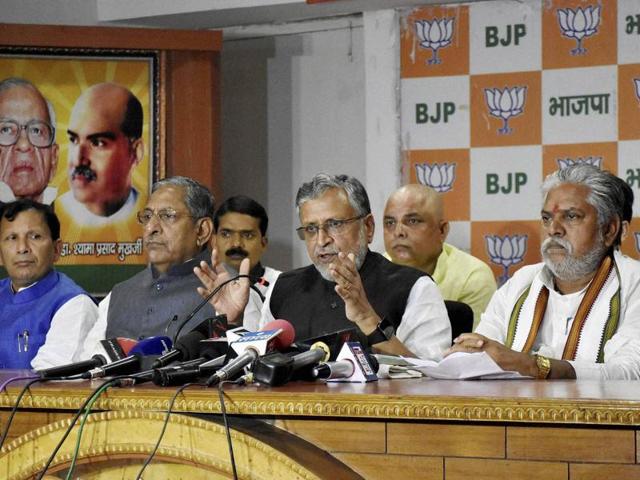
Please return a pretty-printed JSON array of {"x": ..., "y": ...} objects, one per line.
[{"x": 576, "y": 314}]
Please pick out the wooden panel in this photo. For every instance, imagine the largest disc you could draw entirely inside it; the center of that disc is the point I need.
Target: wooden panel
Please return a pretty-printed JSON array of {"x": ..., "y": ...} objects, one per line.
[
  {"x": 193, "y": 107},
  {"x": 571, "y": 444},
  {"x": 482, "y": 469},
  {"x": 109, "y": 37},
  {"x": 23, "y": 422},
  {"x": 384, "y": 467},
  {"x": 608, "y": 471},
  {"x": 446, "y": 440},
  {"x": 339, "y": 436}
]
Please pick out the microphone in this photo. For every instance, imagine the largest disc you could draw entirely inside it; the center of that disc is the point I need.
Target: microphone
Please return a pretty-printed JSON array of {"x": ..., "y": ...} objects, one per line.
[
  {"x": 124, "y": 366},
  {"x": 185, "y": 348},
  {"x": 277, "y": 369},
  {"x": 116, "y": 348},
  {"x": 275, "y": 334},
  {"x": 353, "y": 365},
  {"x": 156, "y": 345},
  {"x": 72, "y": 368},
  {"x": 234, "y": 367},
  {"x": 286, "y": 337},
  {"x": 186, "y": 372},
  {"x": 111, "y": 349},
  {"x": 342, "y": 369},
  {"x": 335, "y": 340},
  {"x": 205, "y": 300}
]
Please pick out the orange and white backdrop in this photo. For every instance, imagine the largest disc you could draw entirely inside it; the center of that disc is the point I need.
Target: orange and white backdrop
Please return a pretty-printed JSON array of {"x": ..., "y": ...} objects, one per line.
[{"x": 496, "y": 95}]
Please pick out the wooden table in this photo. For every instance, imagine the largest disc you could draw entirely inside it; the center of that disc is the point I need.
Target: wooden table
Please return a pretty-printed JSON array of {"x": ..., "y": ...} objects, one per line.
[{"x": 401, "y": 429}]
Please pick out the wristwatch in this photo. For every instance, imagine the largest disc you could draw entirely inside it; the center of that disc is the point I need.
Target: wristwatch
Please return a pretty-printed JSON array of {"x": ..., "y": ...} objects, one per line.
[
  {"x": 383, "y": 332},
  {"x": 544, "y": 367}
]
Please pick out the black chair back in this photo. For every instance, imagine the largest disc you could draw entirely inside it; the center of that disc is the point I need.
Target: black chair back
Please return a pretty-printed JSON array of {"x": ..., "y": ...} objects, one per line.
[{"x": 460, "y": 316}]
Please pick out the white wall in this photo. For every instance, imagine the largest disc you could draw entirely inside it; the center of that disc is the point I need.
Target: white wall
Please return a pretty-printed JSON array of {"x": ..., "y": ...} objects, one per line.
[{"x": 293, "y": 105}]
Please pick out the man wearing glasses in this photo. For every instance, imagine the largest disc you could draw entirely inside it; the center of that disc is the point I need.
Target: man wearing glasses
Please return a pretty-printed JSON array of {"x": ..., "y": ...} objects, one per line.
[
  {"x": 28, "y": 152},
  {"x": 397, "y": 310},
  {"x": 105, "y": 144},
  {"x": 177, "y": 226}
]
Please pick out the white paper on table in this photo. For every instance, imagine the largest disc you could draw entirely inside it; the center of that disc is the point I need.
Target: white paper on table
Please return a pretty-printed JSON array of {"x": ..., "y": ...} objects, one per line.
[
  {"x": 463, "y": 366},
  {"x": 397, "y": 371}
]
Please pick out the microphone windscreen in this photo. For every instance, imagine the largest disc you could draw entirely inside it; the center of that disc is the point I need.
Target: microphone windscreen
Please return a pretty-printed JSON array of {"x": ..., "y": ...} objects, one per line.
[
  {"x": 157, "y": 345},
  {"x": 126, "y": 344},
  {"x": 286, "y": 337}
]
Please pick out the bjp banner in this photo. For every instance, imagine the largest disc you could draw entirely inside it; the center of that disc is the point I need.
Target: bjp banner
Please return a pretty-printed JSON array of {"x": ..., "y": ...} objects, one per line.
[{"x": 497, "y": 95}]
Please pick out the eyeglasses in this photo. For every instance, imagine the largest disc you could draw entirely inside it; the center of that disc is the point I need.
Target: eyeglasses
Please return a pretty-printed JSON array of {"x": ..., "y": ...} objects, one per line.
[
  {"x": 167, "y": 216},
  {"x": 331, "y": 227},
  {"x": 40, "y": 134}
]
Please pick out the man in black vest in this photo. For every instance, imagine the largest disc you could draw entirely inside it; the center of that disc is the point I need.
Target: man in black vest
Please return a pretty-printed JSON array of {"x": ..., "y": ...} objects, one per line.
[
  {"x": 178, "y": 224},
  {"x": 396, "y": 309}
]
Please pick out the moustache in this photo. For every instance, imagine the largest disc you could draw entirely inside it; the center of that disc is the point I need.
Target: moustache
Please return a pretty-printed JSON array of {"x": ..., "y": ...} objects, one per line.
[
  {"x": 236, "y": 251},
  {"x": 84, "y": 171},
  {"x": 555, "y": 243}
]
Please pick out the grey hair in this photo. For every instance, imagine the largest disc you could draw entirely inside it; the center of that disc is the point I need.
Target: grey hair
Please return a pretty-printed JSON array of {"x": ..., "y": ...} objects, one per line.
[
  {"x": 12, "y": 82},
  {"x": 607, "y": 194},
  {"x": 197, "y": 197},
  {"x": 322, "y": 182}
]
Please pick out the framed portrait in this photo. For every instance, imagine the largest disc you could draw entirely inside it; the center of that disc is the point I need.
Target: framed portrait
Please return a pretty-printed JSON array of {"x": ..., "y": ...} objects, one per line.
[{"x": 93, "y": 154}]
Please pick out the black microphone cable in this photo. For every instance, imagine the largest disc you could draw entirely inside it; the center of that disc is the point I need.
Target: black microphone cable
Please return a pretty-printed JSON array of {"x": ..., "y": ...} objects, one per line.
[
  {"x": 97, "y": 390},
  {"x": 164, "y": 426},
  {"x": 170, "y": 411},
  {"x": 14, "y": 409},
  {"x": 223, "y": 410}
]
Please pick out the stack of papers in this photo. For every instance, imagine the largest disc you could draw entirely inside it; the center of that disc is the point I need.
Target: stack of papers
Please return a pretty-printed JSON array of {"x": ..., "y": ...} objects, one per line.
[{"x": 457, "y": 366}]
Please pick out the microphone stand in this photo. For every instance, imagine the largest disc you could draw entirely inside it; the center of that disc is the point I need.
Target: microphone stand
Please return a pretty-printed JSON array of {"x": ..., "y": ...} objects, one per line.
[{"x": 205, "y": 301}]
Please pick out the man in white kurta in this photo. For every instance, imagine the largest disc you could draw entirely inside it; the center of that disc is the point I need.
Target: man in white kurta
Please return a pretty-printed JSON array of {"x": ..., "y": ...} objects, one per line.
[
  {"x": 577, "y": 314},
  {"x": 622, "y": 350}
]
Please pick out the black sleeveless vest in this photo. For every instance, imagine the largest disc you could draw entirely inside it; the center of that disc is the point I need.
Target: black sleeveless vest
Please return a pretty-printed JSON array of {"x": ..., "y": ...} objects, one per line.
[{"x": 313, "y": 307}]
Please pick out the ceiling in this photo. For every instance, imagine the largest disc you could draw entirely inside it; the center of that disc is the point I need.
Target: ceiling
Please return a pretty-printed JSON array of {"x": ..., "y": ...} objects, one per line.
[{"x": 187, "y": 14}]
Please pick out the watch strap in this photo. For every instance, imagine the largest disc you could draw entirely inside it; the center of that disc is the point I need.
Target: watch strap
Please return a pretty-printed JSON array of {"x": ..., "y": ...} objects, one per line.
[{"x": 383, "y": 332}]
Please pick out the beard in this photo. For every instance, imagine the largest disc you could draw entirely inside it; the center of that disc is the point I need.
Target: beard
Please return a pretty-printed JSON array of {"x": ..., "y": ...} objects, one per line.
[
  {"x": 359, "y": 255},
  {"x": 572, "y": 268}
]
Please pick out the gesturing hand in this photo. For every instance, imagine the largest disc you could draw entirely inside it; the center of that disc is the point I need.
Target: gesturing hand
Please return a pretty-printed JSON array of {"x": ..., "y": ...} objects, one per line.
[
  {"x": 349, "y": 287},
  {"x": 233, "y": 297}
]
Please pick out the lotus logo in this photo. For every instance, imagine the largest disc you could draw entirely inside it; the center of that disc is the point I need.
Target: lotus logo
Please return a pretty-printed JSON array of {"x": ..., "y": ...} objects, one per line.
[
  {"x": 434, "y": 35},
  {"x": 636, "y": 81},
  {"x": 505, "y": 104},
  {"x": 569, "y": 162},
  {"x": 579, "y": 24},
  {"x": 439, "y": 177},
  {"x": 506, "y": 251}
]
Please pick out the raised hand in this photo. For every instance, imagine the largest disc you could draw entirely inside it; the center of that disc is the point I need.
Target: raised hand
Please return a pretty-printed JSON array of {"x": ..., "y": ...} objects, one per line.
[
  {"x": 349, "y": 287},
  {"x": 232, "y": 297}
]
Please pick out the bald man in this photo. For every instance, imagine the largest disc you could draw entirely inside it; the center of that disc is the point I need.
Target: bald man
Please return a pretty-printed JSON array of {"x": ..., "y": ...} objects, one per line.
[
  {"x": 28, "y": 152},
  {"x": 415, "y": 231},
  {"x": 105, "y": 145}
]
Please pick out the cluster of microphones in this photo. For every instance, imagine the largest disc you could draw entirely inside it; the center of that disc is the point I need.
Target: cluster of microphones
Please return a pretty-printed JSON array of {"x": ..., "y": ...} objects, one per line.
[{"x": 212, "y": 354}]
